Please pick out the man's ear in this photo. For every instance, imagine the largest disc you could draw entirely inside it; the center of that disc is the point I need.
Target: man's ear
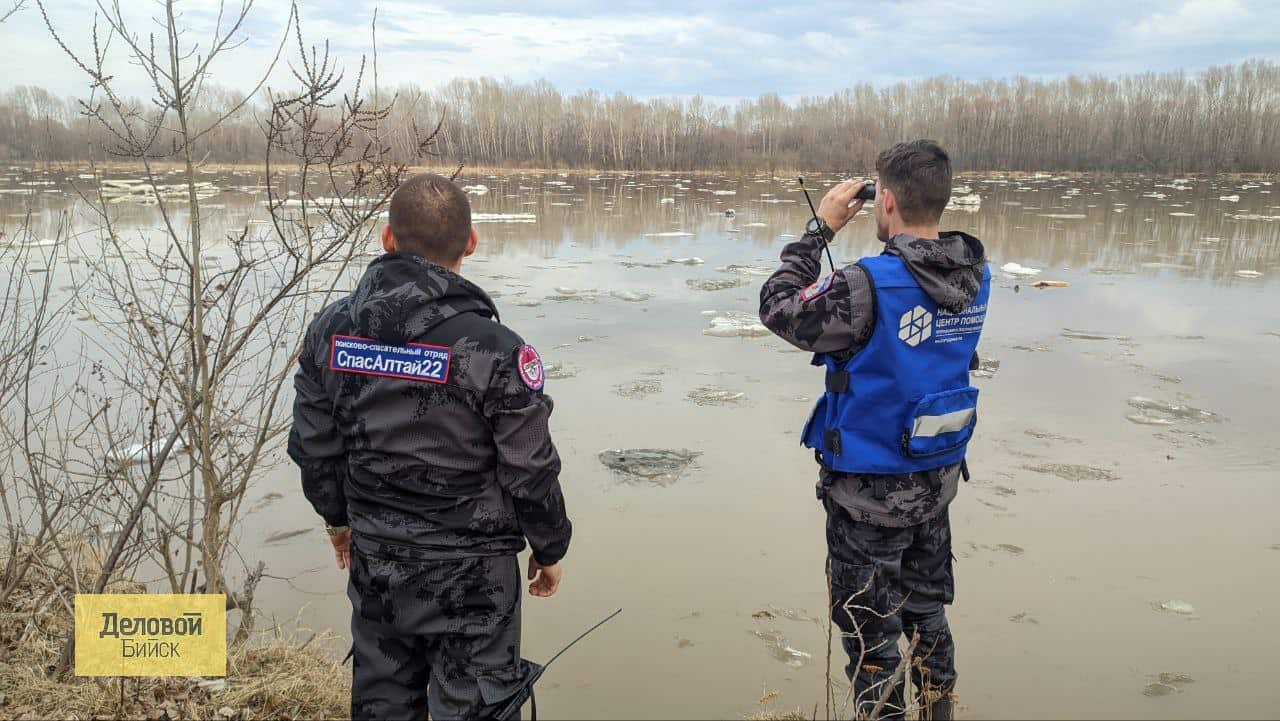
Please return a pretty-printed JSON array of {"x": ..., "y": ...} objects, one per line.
[
  {"x": 886, "y": 200},
  {"x": 388, "y": 239},
  {"x": 472, "y": 242}
]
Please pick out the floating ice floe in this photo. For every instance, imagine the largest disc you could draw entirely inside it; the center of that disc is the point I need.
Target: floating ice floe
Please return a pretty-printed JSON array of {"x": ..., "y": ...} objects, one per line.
[
  {"x": 715, "y": 283},
  {"x": 1091, "y": 335},
  {"x": 503, "y": 218},
  {"x": 1064, "y": 216},
  {"x": 736, "y": 325},
  {"x": 475, "y": 189},
  {"x": 987, "y": 368},
  {"x": 1229, "y": 198},
  {"x": 660, "y": 466},
  {"x": 746, "y": 270},
  {"x": 1019, "y": 271},
  {"x": 34, "y": 243},
  {"x": 714, "y": 396},
  {"x": 687, "y": 261},
  {"x": 638, "y": 389},
  {"x": 756, "y": 225},
  {"x": 1172, "y": 411},
  {"x": 670, "y": 234},
  {"x": 631, "y": 296},
  {"x": 1143, "y": 419},
  {"x": 1180, "y": 214},
  {"x": 666, "y": 201},
  {"x": 139, "y": 453},
  {"x": 558, "y": 371},
  {"x": 1248, "y": 274},
  {"x": 724, "y": 192},
  {"x": 781, "y": 649},
  {"x": 1181, "y": 608}
]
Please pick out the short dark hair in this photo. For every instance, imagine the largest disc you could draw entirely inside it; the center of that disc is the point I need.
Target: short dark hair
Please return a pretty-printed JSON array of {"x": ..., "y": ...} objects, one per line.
[
  {"x": 431, "y": 218},
  {"x": 919, "y": 174}
]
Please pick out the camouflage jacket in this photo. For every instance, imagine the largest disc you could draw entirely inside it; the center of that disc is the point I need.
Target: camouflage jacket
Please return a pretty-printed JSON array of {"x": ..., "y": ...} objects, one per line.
[
  {"x": 836, "y": 314},
  {"x": 440, "y": 458}
]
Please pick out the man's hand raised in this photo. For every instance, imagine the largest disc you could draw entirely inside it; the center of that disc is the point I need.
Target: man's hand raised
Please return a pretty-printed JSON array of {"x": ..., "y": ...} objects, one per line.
[
  {"x": 546, "y": 579},
  {"x": 838, "y": 206}
]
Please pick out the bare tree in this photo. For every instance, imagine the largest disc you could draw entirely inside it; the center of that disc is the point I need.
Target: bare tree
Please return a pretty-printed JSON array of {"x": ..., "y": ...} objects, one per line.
[
  {"x": 17, "y": 5},
  {"x": 197, "y": 334}
]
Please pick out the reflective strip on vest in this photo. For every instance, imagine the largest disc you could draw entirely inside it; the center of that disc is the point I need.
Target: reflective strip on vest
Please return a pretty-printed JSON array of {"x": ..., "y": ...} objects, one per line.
[{"x": 928, "y": 426}]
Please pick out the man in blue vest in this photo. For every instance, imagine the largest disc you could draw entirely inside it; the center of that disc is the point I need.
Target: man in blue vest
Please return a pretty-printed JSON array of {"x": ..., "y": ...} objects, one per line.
[{"x": 897, "y": 334}]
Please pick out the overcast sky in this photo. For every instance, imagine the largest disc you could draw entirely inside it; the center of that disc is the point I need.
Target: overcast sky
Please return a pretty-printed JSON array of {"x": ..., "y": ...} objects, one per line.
[{"x": 722, "y": 50}]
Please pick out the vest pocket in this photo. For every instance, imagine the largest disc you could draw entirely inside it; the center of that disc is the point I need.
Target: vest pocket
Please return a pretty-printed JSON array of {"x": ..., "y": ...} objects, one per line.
[{"x": 941, "y": 423}]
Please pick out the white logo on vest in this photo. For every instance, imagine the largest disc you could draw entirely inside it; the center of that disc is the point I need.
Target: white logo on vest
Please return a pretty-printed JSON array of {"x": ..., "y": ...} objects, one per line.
[{"x": 915, "y": 326}]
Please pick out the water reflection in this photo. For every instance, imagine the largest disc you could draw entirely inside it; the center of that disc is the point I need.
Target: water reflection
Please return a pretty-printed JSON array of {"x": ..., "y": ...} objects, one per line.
[{"x": 1209, "y": 228}]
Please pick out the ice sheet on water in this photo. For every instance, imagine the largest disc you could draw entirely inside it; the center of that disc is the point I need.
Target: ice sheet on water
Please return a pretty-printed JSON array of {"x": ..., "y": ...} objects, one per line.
[
  {"x": 746, "y": 270},
  {"x": 631, "y": 296},
  {"x": 503, "y": 218},
  {"x": 138, "y": 453},
  {"x": 670, "y": 234},
  {"x": 1174, "y": 606},
  {"x": 1091, "y": 335},
  {"x": 712, "y": 284},
  {"x": 1074, "y": 472},
  {"x": 781, "y": 649},
  {"x": 660, "y": 466},
  {"x": 714, "y": 396},
  {"x": 282, "y": 536},
  {"x": 1172, "y": 411},
  {"x": 686, "y": 261},
  {"x": 987, "y": 368},
  {"x": 735, "y": 325},
  {"x": 558, "y": 371},
  {"x": 638, "y": 389},
  {"x": 1017, "y": 270}
]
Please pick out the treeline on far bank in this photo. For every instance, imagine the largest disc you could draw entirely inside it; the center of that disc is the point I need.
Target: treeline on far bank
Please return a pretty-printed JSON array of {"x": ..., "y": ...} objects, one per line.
[{"x": 1224, "y": 119}]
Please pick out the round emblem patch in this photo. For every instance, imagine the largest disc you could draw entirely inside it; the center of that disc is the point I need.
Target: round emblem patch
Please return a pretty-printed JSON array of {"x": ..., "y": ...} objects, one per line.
[{"x": 531, "y": 368}]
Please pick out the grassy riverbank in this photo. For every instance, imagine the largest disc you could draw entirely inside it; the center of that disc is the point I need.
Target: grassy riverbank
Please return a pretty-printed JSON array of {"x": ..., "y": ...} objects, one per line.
[{"x": 271, "y": 676}]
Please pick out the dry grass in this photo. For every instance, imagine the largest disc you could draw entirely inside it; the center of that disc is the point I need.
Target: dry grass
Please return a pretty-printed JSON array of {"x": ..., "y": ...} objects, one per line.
[{"x": 269, "y": 677}]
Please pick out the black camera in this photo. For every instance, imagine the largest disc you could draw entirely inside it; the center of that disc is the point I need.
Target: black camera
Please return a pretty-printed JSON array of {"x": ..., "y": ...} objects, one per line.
[{"x": 868, "y": 191}]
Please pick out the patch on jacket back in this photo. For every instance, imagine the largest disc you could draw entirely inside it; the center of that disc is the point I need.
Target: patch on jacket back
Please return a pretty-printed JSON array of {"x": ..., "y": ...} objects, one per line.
[
  {"x": 412, "y": 361},
  {"x": 818, "y": 288},
  {"x": 531, "y": 368}
]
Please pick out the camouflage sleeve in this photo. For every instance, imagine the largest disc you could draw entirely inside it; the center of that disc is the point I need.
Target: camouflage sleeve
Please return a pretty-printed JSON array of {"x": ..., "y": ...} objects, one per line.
[
  {"x": 528, "y": 463},
  {"x": 823, "y": 315},
  {"x": 315, "y": 442}
]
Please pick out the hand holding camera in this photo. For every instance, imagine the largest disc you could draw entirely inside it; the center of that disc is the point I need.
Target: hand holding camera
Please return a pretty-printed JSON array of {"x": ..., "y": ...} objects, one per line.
[{"x": 844, "y": 201}]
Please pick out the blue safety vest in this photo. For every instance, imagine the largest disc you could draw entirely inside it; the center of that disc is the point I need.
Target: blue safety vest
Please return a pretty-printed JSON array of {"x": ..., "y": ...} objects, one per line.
[{"x": 903, "y": 402}]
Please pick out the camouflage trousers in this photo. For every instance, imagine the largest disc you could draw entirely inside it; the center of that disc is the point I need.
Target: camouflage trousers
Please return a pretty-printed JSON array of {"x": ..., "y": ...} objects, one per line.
[
  {"x": 886, "y": 582},
  {"x": 442, "y": 636}
]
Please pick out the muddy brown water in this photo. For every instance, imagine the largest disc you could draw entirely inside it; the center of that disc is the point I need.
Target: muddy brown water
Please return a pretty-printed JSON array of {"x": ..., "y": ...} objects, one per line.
[{"x": 1079, "y": 521}]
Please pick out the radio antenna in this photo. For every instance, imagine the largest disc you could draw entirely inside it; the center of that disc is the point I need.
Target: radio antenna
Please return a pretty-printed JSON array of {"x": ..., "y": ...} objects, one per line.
[{"x": 826, "y": 246}]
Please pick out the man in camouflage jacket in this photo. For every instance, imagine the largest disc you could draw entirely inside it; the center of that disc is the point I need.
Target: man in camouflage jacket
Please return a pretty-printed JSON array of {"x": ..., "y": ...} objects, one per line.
[
  {"x": 420, "y": 427},
  {"x": 888, "y": 536}
]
